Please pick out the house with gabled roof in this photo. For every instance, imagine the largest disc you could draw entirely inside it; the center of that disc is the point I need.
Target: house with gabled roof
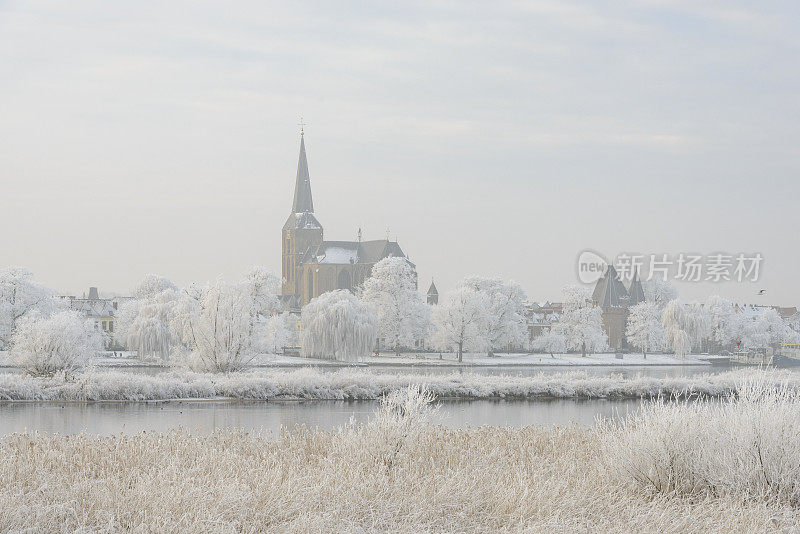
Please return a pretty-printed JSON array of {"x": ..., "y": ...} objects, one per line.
[{"x": 102, "y": 311}]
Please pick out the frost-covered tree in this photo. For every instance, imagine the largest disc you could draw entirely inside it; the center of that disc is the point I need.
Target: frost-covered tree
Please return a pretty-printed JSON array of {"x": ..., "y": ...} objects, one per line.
[
  {"x": 581, "y": 322},
  {"x": 724, "y": 324},
  {"x": 337, "y": 326},
  {"x": 644, "y": 330},
  {"x": 145, "y": 323},
  {"x": 660, "y": 292},
  {"x": 151, "y": 285},
  {"x": 264, "y": 288},
  {"x": 20, "y": 295},
  {"x": 217, "y": 327},
  {"x": 391, "y": 291},
  {"x": 459, "y": 322},
  {"x": 64, "y": 341},
  {"x": 280, "y": 330},
  {"x": 684, "y": 326},
  {"x": 794, "y": 322},
  {"x": 505, "y": 317},
  {"x": 767, "y": 330},
  {"x": 550, "y": 342}
]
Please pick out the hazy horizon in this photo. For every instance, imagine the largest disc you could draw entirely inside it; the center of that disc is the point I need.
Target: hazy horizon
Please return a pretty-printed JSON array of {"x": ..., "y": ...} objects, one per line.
[{"x": 498, "y": 140}]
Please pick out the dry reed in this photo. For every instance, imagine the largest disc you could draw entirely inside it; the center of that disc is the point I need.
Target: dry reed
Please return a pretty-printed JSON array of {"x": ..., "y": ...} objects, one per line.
[
  {"x": 394, "y": 474},
  {"x": 350, "y": 384}
]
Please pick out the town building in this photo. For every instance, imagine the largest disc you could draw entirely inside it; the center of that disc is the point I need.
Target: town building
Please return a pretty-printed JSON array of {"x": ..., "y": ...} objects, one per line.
[
  {"x": 540, "y": 317},
  {"x": 102, "y": 311}
]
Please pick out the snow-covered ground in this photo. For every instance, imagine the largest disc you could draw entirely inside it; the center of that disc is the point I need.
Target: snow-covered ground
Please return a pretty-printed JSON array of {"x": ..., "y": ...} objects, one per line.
[
  {"x": 363, "y": 384},
  {"x": 104, "y": 359},
  {"x": 128, "y": 359},
  {"x": 481, "y": 359}
]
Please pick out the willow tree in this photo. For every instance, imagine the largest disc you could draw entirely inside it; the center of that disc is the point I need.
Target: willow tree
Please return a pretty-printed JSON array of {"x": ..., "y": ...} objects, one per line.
[{"x": 337, "y": 326}]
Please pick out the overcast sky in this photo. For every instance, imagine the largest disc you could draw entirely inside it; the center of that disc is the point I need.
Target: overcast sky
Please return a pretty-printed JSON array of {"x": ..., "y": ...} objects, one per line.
[{"x": 494, "y": 138}]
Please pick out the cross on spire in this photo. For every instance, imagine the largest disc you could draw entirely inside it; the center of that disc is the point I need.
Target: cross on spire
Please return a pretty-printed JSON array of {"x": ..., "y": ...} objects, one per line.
[{"x": 302, "y": 125}]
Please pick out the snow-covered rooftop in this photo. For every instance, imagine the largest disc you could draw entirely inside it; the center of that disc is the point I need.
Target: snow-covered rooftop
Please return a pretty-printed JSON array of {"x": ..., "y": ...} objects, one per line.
[
  {"x": 752, "y": 311},
  {"x": 93, "y": 308},
  {"x": 304, "y": 220},
  {"x": 342, "y": 252},
  {"x": 339, "y": 255}
]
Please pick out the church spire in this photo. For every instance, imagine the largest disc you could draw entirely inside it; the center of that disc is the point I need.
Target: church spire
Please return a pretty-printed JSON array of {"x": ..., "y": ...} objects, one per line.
[
  {"x": 433, "y": 294},
  {"x": 302, "y": 189}
]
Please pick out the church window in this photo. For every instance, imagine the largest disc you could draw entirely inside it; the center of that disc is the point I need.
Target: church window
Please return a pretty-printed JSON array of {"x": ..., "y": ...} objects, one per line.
[{"x": 344, "y": 281}]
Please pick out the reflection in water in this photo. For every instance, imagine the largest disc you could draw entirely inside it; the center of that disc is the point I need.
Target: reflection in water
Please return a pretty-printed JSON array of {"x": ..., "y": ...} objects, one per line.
[{"x": 205, "y": 416}]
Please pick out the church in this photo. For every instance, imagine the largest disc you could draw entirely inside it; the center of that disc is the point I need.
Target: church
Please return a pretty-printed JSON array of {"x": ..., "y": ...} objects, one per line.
[{"x": 312, "y": 265}]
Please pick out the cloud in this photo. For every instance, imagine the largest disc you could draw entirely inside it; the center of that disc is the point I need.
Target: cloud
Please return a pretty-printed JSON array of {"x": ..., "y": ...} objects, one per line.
[{"x": 443, "y": 110}]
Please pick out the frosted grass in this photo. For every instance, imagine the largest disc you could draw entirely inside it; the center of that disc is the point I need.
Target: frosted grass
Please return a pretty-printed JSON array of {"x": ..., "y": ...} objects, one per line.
[
  {"x": 349, "y": 384},
  {"x": 396, "y": 473},
  {"x": 747, "y": 447}
]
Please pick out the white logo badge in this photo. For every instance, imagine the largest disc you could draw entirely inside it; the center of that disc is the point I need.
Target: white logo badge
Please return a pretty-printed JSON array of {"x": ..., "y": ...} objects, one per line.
[{"x": 591, "y": 266}]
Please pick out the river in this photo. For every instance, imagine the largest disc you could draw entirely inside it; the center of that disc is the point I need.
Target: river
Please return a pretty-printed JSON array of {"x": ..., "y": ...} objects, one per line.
[{"x": 205, "y": 416}]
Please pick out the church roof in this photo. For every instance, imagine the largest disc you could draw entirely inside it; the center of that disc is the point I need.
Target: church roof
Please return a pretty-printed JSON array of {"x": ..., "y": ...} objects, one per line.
[
  {"x": 610, "y": 292},
  {"x": 338, "y": 252},
  {"x": 303, "y": 221},
  {"x": 432, "y": 290},
  {"x": 375, "y": 251},
  {"x": 302, "y": 216},
  {"x": 303, "y": 202},
  {"x": 635, "y": 290},
  {"x": 347, "y": 252}
]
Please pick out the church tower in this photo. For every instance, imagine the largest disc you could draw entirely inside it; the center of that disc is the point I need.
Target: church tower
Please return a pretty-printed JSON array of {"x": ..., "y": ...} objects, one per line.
[
  {"x": 302, "y": 230},
  {"x": 433, "y": 294}
]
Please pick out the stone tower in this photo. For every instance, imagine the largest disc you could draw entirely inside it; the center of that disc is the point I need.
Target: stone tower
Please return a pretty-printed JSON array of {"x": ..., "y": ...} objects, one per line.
[
  {"x": 612, "y": 297},
  {"x": 302, "y": 230},
  {"x": 635, "y": 290},
  {"x": 433, "y": 294}
]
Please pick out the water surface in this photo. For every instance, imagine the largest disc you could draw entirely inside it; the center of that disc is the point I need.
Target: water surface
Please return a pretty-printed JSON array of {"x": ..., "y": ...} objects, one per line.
[
  {"x": 204, "y": 416},
  {"x": 107, "y": 418}
]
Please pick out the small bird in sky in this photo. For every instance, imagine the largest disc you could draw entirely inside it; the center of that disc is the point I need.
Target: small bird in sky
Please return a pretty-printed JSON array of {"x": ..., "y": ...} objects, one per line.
[{"x": 761, "y": 291}]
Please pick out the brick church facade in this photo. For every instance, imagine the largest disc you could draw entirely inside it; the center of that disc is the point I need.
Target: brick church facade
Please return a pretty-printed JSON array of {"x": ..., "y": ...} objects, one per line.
[{"x": 311, "y": 265}]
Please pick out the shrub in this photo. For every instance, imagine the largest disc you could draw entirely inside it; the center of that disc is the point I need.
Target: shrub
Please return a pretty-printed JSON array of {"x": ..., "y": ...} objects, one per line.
[
  {"x": 64, "y": 342},
  {"x": 746, "y": 446}
]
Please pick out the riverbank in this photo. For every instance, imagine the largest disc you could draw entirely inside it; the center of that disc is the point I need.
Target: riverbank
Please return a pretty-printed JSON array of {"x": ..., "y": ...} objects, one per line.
[
  {"x": 434, "y": 359},
  {"x": 401, "y": 474},
  {"x": 361, "y": 384},
  {"x": 428, "y": 359},
  {"x": 423, "y": 359}
]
